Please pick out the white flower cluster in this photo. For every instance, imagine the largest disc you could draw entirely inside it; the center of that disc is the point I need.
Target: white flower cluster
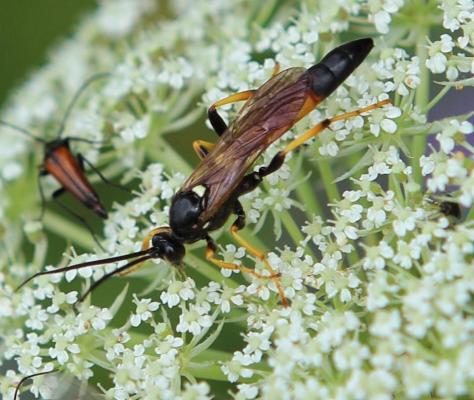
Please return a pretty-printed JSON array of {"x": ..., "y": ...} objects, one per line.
[
  {"x": 458, "y": 17},
  {"x": 379, "y": 278}
]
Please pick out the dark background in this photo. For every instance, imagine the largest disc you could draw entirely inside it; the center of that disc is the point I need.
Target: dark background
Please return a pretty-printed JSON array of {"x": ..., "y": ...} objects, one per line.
[{"x": 28, "y": 28}]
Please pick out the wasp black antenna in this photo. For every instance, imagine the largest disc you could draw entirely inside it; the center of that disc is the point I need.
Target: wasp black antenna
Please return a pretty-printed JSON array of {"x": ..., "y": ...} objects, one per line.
[
  {"x": 71, "y": 105},
  {"x": 88, "y": 264},
  {"x": 120, "y": 270},
  {"x": 22, "y": 130}
]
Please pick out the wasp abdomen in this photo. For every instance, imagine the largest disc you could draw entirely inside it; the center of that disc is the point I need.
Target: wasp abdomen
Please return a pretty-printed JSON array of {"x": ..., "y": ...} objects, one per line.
[{"x": 337, "y": 65}]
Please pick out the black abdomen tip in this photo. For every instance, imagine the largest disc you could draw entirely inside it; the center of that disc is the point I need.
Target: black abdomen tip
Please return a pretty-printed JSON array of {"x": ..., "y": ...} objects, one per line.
[{"x": 338, "y": 64}]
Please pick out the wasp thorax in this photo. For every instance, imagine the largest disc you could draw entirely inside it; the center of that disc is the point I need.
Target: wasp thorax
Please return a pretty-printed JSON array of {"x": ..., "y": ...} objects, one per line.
[{"x": 185, "y": 210}]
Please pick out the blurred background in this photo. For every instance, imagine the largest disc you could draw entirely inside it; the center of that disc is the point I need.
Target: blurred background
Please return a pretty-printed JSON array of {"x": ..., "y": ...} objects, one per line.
[{"x": 27, "y": 30}]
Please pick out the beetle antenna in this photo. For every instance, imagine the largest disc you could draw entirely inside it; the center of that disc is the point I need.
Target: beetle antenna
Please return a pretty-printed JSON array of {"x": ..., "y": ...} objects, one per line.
[
  {"x": 88, "y": 264},
  {"x": 25, "y": 378},
  {"x": 22, "y": 130},
  {"x": 73, "y": 102}
]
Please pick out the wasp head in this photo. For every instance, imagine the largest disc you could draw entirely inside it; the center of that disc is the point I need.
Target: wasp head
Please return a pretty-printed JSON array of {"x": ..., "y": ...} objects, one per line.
[{"x": 165, "y": 245}]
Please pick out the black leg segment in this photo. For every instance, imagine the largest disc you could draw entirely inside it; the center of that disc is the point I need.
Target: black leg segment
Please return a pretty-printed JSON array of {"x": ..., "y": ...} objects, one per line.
[{"x": 216, "y": 121}]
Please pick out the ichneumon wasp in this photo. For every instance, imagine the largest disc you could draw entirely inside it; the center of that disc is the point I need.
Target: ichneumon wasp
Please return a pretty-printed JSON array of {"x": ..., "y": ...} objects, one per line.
[{"x": 211, "y": 193}]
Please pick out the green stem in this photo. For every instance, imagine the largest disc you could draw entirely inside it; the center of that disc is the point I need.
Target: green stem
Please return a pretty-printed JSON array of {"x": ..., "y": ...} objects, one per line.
[
  {"x": 395, "y": 186},
  {"x": 307, "y": 196},
  {"x": 327, "y": 176},
  {"x": 421, "y": 100},
  {"x": 435, "y": 99},
  {"x": 162, "y": 152},
  {"x": 212, "y": 372},
  {"x": 291, "y": 227},
  {"x": 470, "y": 215},
  {"x": 68, "y": 230}
]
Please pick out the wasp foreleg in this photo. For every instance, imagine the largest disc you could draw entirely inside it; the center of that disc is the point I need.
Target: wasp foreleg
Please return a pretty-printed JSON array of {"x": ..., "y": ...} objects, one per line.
[
  {"x": 202, "y": 148},
  {"x": 215, "y": 119},
  {"x": 210, "y": 256}
]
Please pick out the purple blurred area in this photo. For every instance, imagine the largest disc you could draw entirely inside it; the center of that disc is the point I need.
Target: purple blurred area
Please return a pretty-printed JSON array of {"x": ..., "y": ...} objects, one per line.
[{"x": 455, "y": 102}]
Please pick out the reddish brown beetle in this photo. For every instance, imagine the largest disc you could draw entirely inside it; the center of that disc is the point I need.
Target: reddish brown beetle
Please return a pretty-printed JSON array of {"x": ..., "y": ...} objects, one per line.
[{"x": 67, "y": 168}]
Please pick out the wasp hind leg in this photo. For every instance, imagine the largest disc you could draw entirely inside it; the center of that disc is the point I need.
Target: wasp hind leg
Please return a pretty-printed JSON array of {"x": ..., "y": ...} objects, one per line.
[
  {"x": 251, "y": 181},
  {"x": 325, "y": 124}
]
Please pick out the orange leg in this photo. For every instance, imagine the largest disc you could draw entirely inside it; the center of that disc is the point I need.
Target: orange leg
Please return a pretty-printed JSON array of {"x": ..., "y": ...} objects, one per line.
[
  {"x": 261, "y": 256},
  {"x": 233, "y": 98},
  {"x": 324, "y": 124},
  {"x": 210, "y": 256},
  {"x": 202, "y": 148}
]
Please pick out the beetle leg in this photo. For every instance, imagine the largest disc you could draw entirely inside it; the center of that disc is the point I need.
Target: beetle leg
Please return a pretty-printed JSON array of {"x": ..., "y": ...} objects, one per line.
[
  {"x": 43, "y": 198},
  {"x": 328, "y": 121},
  {"x": 56, "y": 195},
  {"x": 210, "y": 256},
  {"x": 202, "y": 148},
  {"x": 25, "y": 378},
  {"x": 237, "y": 226},
  {"x": 81, "y": 159}
]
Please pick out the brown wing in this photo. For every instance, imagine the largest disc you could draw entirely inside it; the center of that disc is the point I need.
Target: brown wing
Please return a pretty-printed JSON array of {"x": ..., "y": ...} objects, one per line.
[
  {"x": 61, "y": 164},
  {"x": 264, "y": 118}
]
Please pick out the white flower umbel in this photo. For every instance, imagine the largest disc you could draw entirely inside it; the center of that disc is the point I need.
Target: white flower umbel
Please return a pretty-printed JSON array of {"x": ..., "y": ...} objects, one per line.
[{"x": 373, "y": 257}]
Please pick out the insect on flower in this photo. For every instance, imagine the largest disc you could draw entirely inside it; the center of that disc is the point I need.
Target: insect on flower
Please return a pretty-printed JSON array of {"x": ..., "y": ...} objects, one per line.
[
  {"x": 448, "y": 208},
  {"x": 67, "y": 168},
  {"x": 211, "y": 193}
]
